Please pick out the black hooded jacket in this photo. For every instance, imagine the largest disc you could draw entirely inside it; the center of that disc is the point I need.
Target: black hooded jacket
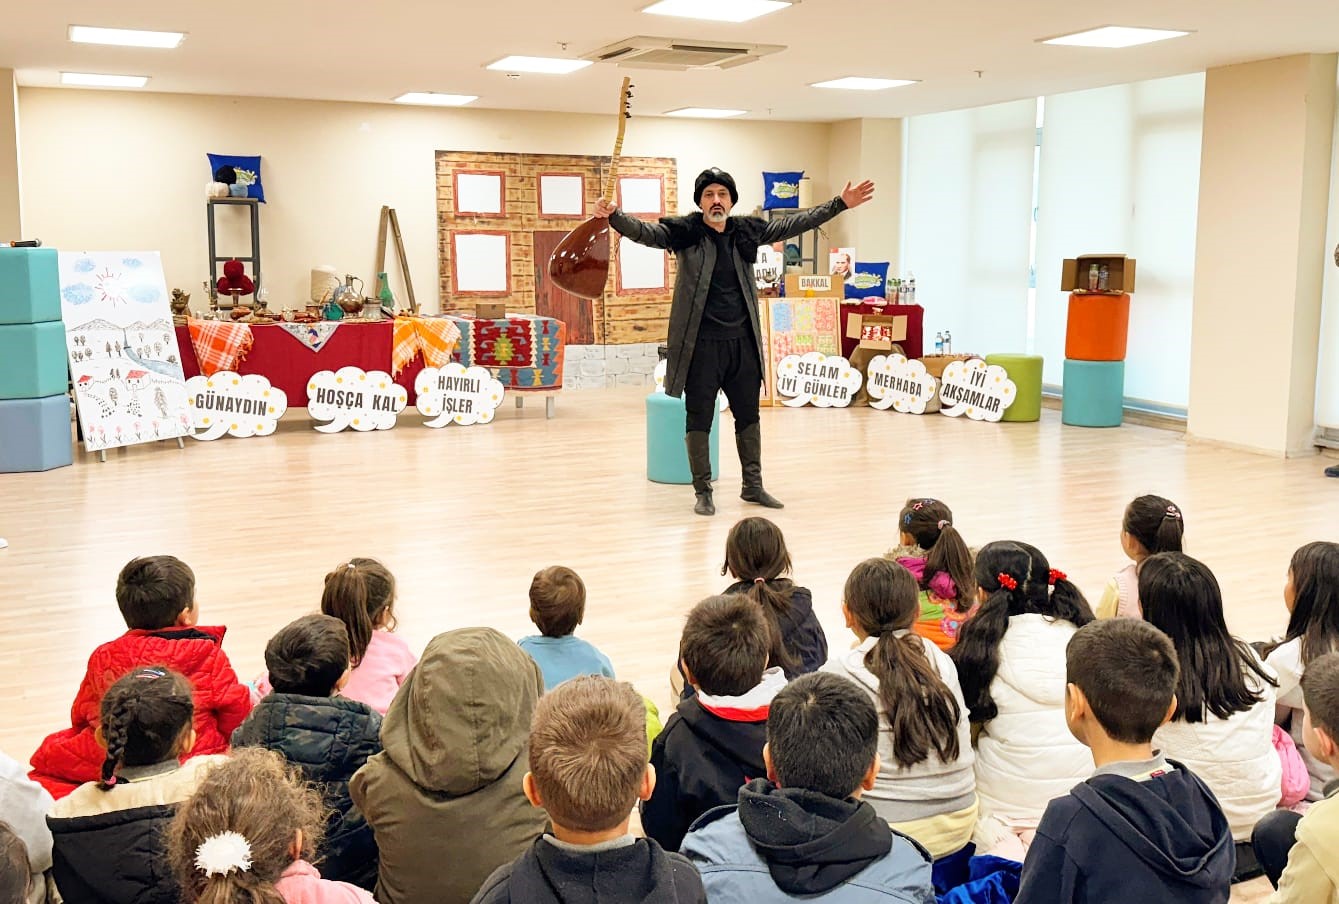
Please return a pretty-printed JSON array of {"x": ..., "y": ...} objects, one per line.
[
  {"x": 1116, "y": 839},
  {"x": 640, "y": 873},
  {"x": 114, "y": 858},
  {"x": 800, "y": 631}
]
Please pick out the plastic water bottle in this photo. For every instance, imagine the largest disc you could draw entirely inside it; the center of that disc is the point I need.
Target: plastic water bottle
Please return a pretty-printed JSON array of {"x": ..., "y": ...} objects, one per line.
[
  {"x": 911, "y": 288},
  {"x": 939, "y": 343},
  {"x": 948, "y": 342}
]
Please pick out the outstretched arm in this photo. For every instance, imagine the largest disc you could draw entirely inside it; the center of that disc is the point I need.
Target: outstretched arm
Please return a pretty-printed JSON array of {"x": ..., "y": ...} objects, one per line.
[
  {"x": 791, "y": 226},
  {"x": 656, "y": 235}
]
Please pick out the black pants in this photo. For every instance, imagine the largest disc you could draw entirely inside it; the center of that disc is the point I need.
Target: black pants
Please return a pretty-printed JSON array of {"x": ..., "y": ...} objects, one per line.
[
  {"x": 1272, "y": 839},
  {"x": 723, "y": 364}
]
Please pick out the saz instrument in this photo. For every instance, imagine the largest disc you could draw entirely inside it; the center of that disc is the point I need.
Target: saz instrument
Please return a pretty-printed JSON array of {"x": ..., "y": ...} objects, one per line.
[{"x": 580, "y": 263}]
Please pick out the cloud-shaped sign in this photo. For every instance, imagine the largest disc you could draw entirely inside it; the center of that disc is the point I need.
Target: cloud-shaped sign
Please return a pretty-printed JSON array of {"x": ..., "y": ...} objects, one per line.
[
  {"x": 896, "y": 383},
  {"x": 456, "y": 394},
  {"x": 352, "y": 397},
  {"x": 980, "y": 391},
  {"x": 233, "y": 404},
  {"x": 817, "y": 379}
]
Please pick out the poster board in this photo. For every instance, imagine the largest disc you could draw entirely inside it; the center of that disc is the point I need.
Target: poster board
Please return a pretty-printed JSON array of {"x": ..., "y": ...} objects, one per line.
[
  {"x": 796, "y": 326},
  {"x": 124, "y": 361}
]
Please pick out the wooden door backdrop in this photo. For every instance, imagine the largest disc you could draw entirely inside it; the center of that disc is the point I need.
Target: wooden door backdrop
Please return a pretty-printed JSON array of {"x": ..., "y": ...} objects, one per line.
[{"x": 620, "y": 316}]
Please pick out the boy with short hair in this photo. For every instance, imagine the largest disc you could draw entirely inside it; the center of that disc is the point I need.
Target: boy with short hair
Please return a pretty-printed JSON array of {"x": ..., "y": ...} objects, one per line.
[
  {"x": 557, "y": 606},
  {"x": 156, "y": 596},
  {"x": 712, "y": 744},
  {"x": 1312, "y": 873},
  {"x": 803, "y": 831},
  {"x": 327, "y": 737},
  {"x": 588, "y": 768},
  {"x": 1143, "y": 828}
]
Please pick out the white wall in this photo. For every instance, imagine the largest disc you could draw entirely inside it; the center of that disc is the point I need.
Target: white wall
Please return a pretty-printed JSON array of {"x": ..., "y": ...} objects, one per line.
[
  {"x": 126, "y": 170},
  {"x": 11, "y": 213},
  {"x": 1327, "y": 376}
]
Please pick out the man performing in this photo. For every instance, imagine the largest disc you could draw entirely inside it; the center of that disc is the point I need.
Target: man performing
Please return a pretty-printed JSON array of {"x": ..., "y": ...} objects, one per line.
[{"x": 715, "y": 336}]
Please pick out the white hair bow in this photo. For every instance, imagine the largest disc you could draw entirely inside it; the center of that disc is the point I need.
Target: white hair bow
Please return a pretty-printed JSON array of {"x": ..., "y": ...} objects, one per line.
[{"x": 220, "y": 854}]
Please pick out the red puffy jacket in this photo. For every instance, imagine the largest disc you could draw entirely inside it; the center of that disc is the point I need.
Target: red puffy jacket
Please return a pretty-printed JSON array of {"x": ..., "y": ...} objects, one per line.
[{"x": 72, "y": 756}]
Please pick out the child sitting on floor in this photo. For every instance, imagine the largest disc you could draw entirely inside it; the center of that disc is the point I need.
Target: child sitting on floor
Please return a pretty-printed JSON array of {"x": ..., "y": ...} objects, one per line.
[
  {"x": 24, "y": 805},
  {"x": 156, "y": 596},
  {"x": 247, "y": 834},
  {"x": 326, "y": 737},
  {"x": 1142, "y": 828},
  {"x": 713, "y": 742},
  {"x": 107, "y": 834},
  {"x": 936, "y": 555},
  {"x": 557, "y": 606},
  {"x": 588, "y": 768},
  {"x": 1151, "y": 525}
]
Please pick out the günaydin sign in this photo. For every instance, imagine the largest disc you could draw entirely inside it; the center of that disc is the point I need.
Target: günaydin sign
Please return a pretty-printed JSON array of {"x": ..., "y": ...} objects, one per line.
[
  {"x": 233, "y": 404},
  {"x": 456, "y": 394},
  {"x": 816, "y": 379},
  {"x": 352, "y": 397},
  {"x": 896, "y": 383},
  {"x": 980, "y": 391}
]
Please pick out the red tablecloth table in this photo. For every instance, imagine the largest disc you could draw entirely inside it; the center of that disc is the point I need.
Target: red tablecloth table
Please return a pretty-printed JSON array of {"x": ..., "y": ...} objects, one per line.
[{"x": 913, "y": 345}]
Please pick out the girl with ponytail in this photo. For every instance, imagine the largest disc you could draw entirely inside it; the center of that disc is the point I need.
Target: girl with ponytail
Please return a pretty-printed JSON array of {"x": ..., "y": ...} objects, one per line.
[
  {"x": 1151, "y": 525},
  {"x": 757, "y": 558},
  {"x": 937, "y": 556},
  {"x": 1011, "y": 661},
  {"x": 246, "y": 834},
  {"x": 925, "y": 787},
  {"x": 146, "y": 727},
  {"x": 361, "y": 594}
]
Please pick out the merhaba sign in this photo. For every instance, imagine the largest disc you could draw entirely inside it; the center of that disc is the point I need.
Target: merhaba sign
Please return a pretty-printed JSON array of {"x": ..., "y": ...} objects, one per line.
[
  {"x": 973, "y": 388},
  {"x": 456, "y": 394},
  {"x": 896, "y": 383},
  {"x": 824, "y": 381},
  {"x": 353, "y": 397},
  {"x": 233, "y": 404}
]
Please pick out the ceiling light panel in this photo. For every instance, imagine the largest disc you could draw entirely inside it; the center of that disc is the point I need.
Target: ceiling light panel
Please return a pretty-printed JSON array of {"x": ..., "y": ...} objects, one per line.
[
  {"x": 542, "y": 65},
  {"x": 1115, "y": 37},
  {"x": 716, "y": 10},
  {"x": 126, "y": 37}
]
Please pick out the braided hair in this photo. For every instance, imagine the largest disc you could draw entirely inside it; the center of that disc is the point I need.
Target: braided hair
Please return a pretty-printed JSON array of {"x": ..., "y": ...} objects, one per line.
[{"x": 146, "y": 718}]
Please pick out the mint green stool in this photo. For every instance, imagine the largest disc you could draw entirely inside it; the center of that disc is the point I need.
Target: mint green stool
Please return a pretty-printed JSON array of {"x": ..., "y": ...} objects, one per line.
[
  {"x": 33, "y": 360},
  {"x": 1025, "y": 372},
  {"x": 666, "y": 455},
  {"x": 1093, "y": 394},
  {"x": 29, "y": 285}
]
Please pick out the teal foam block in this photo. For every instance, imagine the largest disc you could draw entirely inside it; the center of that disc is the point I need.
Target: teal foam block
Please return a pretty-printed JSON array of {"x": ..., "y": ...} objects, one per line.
[
  {"x": 666, "y": 454},
  {"x": 1093, "y": 393},
  {"x": 29, "y": 285},
  {"x": 35, "y": 434},
  {"x": 33, "y": 360}
]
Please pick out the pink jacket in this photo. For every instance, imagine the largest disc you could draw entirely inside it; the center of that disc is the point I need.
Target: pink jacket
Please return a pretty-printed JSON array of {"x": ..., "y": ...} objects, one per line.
[
  {"x": 302, "y": 884},
  {"x": 383, "y": 669}
]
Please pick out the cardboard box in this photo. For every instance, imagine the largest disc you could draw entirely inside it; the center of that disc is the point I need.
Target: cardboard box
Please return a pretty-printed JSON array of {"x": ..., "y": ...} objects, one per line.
[
  {"x": 876, "y": 331},
  {"x": 1120, "y": 273},
  {"x": 814, "y": 285},
  {"x": 490, "y": 310},
  {"x": 935, "y": 364}
]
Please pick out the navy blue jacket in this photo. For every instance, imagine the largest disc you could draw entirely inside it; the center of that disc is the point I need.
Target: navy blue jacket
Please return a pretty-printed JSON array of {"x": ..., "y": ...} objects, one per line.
[
  {"x": 1116, "y": 839},
  {"x": 800, "y": 631}
]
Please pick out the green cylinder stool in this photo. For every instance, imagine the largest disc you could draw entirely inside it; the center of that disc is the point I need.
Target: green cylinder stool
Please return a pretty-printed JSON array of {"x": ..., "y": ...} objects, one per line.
[
  {"x": 1025, "y": 372},
  {"x": 1093, "y": 393},
  {"x": 666, "y": 454}
]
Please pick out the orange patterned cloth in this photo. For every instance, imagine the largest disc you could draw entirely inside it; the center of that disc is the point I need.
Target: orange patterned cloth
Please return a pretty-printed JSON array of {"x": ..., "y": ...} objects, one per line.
[
  {"x": 219, "y": 344},
  {"x": 433, "y": 337}
]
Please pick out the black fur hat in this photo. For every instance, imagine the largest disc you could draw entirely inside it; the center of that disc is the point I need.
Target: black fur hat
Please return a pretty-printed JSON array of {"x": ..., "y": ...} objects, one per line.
[{"x": 714, "y": 176}]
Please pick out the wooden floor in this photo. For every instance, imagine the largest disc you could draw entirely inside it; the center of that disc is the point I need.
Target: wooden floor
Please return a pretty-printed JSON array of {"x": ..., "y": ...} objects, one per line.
[{"x": 465, "y": 516}]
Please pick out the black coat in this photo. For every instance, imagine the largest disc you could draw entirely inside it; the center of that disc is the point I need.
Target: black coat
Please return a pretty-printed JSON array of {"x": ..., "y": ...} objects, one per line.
[
  {"x": 689, "y": 239},
  {"x": 114, "y": 858},
  {"x": 640, "y": 873},
  {"x": 800, "y": 631},
  {"x": 329, "y": 739}
]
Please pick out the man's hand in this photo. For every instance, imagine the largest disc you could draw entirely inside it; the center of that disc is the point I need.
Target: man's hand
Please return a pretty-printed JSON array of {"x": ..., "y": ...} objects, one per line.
[
  {"x": 854, "y": 197},
  {"x": 603, "y": 209}
]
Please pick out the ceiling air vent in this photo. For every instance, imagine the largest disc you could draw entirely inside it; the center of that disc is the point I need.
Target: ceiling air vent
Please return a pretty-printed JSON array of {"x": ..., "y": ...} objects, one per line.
[{"x": 644, "y": 52}]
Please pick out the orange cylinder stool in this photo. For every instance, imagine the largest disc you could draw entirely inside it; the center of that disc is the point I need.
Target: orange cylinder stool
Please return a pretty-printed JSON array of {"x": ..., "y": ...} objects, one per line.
[{"x": 1098, "y": 327}]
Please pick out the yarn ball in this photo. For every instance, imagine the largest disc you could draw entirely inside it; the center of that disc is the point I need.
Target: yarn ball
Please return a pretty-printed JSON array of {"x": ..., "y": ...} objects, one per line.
[
  {"x": 234, "y": 279},
  {"x": 226, "y": 174}
]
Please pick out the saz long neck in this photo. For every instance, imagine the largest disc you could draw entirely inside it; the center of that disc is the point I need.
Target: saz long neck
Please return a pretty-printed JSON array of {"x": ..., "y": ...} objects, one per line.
[{"x": 623, "y": 100}]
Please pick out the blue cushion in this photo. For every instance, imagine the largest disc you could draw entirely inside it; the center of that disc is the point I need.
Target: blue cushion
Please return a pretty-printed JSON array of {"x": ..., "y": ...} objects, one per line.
[
  {"x": 29, "y": 285},
  {"x": 781, "y": 190},
  {"x": 666, "y": 454},
  {"x": 33, "y": 360},
  {"x": 868, "y": 279},
  {"x": 35, "y": 434},
  {"x": 246, "y": 167},
  {"x": 1093, "y": 393}
]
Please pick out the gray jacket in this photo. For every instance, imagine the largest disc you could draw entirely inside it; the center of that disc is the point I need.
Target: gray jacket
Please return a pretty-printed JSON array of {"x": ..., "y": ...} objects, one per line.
[{"x": 688, "y": 237}]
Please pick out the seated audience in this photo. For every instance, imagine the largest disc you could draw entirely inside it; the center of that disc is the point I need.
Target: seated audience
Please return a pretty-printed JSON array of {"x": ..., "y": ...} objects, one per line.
[
  {"x": 931, "y": 548},
  {"x": 156, "y": 596},
  {"x": 803, "y": 832},
  {"x": 713, "y": 742},
  {"x": 1142, "y": 828},
  {"x": 1151, "y": 525},
  {"x": 247, "y": 835},
  {"x": 24, "y": 805},
  {"x": 588, "y": 768},
  {"x": 326, "y": 737},
  {"x": 557, "y": 606},
  {"x": 444, "y": 796}
]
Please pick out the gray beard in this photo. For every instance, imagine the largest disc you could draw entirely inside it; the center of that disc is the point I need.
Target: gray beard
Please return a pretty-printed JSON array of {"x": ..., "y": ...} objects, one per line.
[{"x": 717, "y": 216}]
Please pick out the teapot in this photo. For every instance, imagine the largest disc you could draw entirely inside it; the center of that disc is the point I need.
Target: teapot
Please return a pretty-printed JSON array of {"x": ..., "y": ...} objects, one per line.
[{"x": 347, "y": 296}]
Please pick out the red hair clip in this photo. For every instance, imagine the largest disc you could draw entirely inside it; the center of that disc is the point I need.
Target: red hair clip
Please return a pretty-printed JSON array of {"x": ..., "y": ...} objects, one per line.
[
  {"x": 1007, "y": 581},
  {"x": 1056, "y": 575}
]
